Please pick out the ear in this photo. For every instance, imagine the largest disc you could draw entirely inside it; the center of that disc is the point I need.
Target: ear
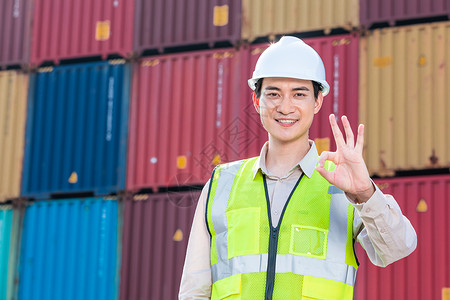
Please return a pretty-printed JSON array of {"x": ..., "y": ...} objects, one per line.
[
  {"x": 318, "y": 103},
  {"x": 255, "y": 102}
]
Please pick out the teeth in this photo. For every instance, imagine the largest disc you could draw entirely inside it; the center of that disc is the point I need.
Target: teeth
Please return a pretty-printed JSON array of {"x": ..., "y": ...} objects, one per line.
[{"x": 286, "y": 121}]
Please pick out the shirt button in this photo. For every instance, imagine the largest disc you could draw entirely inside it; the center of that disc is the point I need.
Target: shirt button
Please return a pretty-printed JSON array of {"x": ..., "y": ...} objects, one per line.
[
  {"x": 275, "y": 212},
  {"x": 367, "y": 210},
  {"x": 382, "y": 230}
]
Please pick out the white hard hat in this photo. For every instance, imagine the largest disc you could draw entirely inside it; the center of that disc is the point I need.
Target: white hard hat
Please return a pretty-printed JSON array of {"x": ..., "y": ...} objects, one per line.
[{"x": 290, "y": 57}]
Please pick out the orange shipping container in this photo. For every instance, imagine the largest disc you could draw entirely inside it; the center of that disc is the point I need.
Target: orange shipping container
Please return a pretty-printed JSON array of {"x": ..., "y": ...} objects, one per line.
[
  {"x": 13, "y": 99},
  {"x": 269, "y": 17},
  {"x": 404, "y": 92}
]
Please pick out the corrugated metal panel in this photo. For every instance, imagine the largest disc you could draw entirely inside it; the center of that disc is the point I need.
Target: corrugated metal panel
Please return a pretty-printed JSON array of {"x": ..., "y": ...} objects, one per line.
[
  {"x": 77, "y": 130},
  {"x": 15, "y": 35},
  {"x": 185, "y": 109},
  {"x": 381, "y": 11},
  {"x": 9, "y": 235},
  {"x": 6, "y": 215},
  {"x": 404, "y": 94},
  {"x": 69, "y": 250},
  {"x": 13, "y": 102},
  {"x": 340, "y": 57},
  {"x": 168, "y": 23},
  {"x": 155, "y": 235},
  {"x": 425, "y": 273},
  {"x": 80, "y": 28},
  {"x": 271, "y": 17}
]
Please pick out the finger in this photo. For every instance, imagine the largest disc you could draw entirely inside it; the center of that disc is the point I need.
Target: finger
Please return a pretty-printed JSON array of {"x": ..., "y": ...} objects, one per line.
[
  {"x": 326, "y": 155},
  {"x": 360, "y": 139},
  {"x": 348, "y": 132},
  {"x": 336, "y": 131},
  {"x": 329, "y": 176}
]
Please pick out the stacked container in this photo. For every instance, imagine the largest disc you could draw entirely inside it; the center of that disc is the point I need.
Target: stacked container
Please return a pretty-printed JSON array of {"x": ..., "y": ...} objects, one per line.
[
  {"x": 155, "y": 235},
  {"x": 13, "y": 100},
  {"x": 273, "y": 17},
  {"x": 70, "y": 249},
  {"x": 404, "y": 94},
  {"x": 425, "y": 273},
  {"x": 161, "y": 24},
  {"x": 9, "y": 238},
  {"x": 77, "y": 29},
  {"x": 15, "y": 33},
  {"x": 184, "y": 109},
  {"x": 77, "y": 130}
]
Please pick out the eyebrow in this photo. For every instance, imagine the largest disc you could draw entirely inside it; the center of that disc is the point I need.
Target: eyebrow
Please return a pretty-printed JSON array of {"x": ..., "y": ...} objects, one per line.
[{"x": 302, "y": 88}]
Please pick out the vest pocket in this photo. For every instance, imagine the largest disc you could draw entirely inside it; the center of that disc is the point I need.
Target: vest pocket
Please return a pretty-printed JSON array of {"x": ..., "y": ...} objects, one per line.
[
  {"x": 324, "y": 289},
  {"x": 308, "y": 241},
  {"x": 243, "y": 231},
  {"x": 228, "y": 288}
]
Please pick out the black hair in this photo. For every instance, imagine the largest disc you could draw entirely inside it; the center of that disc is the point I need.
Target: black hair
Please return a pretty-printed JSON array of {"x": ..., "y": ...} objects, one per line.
[{"x": 316, "y": 86}]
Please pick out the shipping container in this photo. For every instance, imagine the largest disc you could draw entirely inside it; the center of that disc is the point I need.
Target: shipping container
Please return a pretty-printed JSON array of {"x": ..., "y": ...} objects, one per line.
[
  {"x": 388, "y": 11},
  {"x": 185, "y": 113},
  {"x": 15, "y": 33},
  {"x": 13, "y": 109},
  {"x": 70, "y": 250},
  {"x": 424, "y": 274},
  {"x": 77, "y": 130},
  {"x": 340, "y": 57},
  {"x": 161, "y": 24},
  {"x": 272, "y": 17},
  {"x": 81, "y": 28},
  {"x": 9, "y": 238},
  {"x": 156, "y": 230},
  {"x": 404, "y": 92}
]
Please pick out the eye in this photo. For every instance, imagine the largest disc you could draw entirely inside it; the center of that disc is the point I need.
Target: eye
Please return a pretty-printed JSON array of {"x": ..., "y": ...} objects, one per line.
[
  {"x": 272, "y": 95},
  {"x": 300, "y": 95}
]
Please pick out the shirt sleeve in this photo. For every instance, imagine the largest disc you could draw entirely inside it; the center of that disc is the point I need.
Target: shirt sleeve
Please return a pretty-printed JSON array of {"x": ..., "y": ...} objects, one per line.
[
  {"x": 196, "y": 280},
  {"x": 382, "y": 230}
]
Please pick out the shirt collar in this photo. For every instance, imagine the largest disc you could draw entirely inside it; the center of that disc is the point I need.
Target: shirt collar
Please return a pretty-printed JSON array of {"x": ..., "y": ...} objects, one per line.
[{"x": 307, "y": 164}]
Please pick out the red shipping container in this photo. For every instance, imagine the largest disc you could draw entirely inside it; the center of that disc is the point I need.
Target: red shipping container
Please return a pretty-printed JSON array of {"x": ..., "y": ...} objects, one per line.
[
  {"x": 425, "y": 274},
  {"x": 168, "y": 23},
  {"x": 382, "y": 11},
  {"x": 156, "y": 231},
  {"x": 81, "y": 28},
  {"x": 186, "y": 117},
  {"x": 15, "y": 33},
  {"x": 340, "y": 57}
]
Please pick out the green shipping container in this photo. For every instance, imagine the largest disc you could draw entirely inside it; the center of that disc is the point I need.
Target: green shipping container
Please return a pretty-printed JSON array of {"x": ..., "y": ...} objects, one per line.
[{"x": 9, "y": 229}]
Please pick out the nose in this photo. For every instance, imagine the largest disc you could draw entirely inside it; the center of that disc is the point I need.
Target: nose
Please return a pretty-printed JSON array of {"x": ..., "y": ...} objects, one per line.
[{"x": 286, "y": 106}]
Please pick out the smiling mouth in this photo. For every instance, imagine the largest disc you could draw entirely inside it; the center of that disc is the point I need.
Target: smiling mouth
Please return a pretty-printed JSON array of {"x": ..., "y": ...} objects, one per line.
[{"x": 286, "y": 121}]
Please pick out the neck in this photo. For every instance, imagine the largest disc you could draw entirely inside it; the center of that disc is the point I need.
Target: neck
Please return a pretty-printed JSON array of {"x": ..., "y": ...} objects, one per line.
[{"x": 282, "y": 157}]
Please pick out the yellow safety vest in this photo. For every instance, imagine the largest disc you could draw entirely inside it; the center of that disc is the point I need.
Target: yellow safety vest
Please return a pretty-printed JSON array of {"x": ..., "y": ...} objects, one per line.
[{"x": 309, "y": 255}]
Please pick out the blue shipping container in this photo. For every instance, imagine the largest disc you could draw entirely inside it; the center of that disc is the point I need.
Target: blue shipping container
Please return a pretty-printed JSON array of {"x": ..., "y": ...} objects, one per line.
[
  {"x": 70, "y": 250},
  {"x": 77, "y": 130}
]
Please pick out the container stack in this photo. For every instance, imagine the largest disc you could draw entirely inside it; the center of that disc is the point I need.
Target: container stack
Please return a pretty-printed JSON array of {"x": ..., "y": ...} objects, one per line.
[{"x": 113, "y": 114}]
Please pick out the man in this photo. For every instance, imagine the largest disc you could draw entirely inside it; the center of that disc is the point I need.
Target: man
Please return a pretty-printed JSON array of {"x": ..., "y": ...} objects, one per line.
[{"x": 282, "y": 225}]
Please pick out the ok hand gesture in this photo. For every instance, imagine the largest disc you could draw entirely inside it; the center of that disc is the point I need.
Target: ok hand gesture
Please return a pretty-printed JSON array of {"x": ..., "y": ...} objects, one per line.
[{"x": 350, "y": 174}]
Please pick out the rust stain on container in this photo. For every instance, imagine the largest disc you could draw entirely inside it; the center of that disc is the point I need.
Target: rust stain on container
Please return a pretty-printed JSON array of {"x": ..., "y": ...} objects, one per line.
[
  {"x": 13, "y": 111},
  {"x": 262, "y": 18},
  {"x": 424, "y": 273},
  {"x": 404, "y": 96},
  {"x": 154, "y": 244}
]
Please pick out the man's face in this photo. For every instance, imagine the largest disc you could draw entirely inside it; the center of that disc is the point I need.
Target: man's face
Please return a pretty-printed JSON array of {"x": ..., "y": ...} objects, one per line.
[{"x": 287, "y": 107}]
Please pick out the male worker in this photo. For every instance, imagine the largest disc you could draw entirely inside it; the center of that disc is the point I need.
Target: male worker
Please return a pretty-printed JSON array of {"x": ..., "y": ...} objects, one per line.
[{"x": 282, "y": 225}]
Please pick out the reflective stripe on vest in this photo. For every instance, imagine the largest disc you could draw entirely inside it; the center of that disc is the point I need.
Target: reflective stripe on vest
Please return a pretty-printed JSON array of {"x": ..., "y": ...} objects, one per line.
[{"x": 333, "y": 268}]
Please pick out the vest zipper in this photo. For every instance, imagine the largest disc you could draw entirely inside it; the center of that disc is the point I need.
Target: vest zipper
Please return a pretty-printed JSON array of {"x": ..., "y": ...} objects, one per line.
[{"x": 273, "y": 242}]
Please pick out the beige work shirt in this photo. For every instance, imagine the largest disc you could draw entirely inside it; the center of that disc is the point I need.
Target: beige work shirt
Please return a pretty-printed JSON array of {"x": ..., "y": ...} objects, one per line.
[{"x": 378, "y": 225}]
